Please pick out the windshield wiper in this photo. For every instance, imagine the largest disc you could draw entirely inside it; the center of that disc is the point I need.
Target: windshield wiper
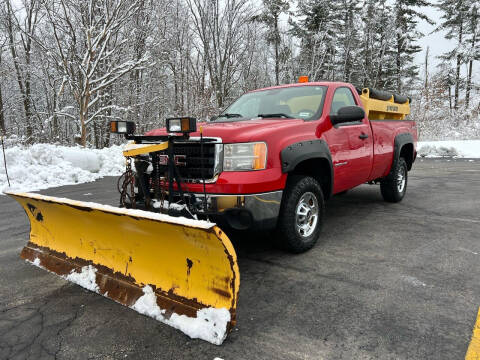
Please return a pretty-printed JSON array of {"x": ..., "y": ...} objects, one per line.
[
  {"x": 274, "y": 115},
  {"x": 229, "y": 116}
]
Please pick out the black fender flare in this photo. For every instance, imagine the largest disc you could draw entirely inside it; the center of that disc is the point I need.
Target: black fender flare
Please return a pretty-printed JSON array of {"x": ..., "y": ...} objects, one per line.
[
  {"x": 294, "y": 154},
  {"x": 400, "y": 140}
]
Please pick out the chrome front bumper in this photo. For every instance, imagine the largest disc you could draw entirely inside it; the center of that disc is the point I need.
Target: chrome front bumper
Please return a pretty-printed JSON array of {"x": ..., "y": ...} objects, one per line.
[{"x": 252, "y": 211}]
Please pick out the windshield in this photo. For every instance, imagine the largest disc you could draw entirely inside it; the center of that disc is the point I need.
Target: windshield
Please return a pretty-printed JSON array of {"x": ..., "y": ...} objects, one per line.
[{"x": 299, "y": 102}]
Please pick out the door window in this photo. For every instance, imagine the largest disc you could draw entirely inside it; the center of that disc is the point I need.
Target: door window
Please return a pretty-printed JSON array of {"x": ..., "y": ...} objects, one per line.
[{"x": 342, "y": 97}]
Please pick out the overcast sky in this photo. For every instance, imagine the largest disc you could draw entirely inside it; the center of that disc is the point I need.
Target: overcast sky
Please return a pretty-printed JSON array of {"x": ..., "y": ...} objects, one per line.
[{"x": 436, "y": 41}]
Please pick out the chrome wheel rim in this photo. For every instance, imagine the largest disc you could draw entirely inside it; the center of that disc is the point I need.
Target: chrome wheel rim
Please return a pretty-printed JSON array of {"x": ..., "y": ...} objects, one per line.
[
  {"x": 306, "y": 215},
  {"x": 401, "y": 179}
]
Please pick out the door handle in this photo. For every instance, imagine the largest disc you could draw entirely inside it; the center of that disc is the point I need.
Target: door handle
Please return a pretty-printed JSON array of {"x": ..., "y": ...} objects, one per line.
[{"x": 363, "y": 136}]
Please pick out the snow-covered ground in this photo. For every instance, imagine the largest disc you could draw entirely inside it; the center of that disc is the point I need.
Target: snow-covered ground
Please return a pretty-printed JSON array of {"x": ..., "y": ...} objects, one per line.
[
  {"x": 42, "y": 166},
  {"x": 450, "y": 148}
]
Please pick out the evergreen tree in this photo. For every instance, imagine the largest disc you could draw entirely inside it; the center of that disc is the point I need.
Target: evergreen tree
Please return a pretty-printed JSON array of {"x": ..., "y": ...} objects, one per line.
[
  {"x": 454, "y": 16},
  {"x": 407, "y": 16},
  {"x": 317, "y": 30},
  {"x": 376, "y": 60},
  {"x": 272, "y": 10},
  {"x": 348, "y": 14},
  {"x": 472, "y": 52}
]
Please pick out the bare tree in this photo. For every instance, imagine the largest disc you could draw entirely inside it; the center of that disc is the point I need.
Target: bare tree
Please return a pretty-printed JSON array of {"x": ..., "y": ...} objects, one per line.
[
  {"x": 2, "y": 111},
  {"x": 220, "y": 28},
  {"x": 88, "y": 43},
  {"x": 20, "y": 32}
]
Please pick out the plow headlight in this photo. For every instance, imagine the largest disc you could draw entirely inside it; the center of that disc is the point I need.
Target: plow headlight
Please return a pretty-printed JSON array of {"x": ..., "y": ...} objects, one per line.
[
  {"x": 122, "y": 127},
  {"x": 181, "y": 125},
  {"x": 245, "y": 156}
]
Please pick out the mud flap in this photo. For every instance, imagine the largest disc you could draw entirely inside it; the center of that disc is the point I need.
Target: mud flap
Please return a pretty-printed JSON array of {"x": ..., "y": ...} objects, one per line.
[{"x": 127, "y": 255}]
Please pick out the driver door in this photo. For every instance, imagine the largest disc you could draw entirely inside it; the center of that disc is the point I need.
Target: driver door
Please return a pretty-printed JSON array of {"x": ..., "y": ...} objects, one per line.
[{"x": 353, "y": 156}]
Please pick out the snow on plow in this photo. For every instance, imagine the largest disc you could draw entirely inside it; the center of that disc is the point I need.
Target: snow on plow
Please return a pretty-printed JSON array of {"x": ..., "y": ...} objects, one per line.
[{"x": 181, "y": 272}]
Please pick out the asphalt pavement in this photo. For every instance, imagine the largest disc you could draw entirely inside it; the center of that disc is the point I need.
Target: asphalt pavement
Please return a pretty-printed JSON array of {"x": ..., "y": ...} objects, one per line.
[{"x": 386, "y": 281}]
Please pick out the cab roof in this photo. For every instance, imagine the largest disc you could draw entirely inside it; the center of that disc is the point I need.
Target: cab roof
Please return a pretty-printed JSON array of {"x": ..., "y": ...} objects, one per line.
[{"x": 315, "y": 83}]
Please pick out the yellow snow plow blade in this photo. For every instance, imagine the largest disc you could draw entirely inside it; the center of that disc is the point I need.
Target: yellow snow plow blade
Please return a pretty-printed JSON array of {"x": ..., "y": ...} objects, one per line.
[{"x": 190, "y": 265}]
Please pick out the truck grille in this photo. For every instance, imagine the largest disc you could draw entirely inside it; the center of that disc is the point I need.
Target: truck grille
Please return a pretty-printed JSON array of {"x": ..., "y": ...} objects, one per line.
[{"x": 190, "y": 163}]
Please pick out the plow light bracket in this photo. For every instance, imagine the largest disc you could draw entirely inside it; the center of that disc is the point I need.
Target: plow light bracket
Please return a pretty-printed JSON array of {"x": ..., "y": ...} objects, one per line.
[
  {"x": 182, "y": 125},
  {"x": 122, "y": 127}
]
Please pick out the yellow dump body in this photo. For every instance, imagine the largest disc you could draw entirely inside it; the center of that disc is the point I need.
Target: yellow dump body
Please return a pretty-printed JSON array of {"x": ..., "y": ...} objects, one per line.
[
  {"x": 190, "y": 265},
  {"x": 384, "y": 109}
]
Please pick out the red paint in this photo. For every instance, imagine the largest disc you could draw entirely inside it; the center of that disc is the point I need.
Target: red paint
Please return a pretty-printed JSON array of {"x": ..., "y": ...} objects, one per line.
[{"x": 365, "y": 160}]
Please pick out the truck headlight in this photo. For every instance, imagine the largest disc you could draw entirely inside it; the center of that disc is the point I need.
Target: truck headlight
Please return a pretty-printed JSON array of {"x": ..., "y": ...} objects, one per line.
[{"x": 245, "y": 156}]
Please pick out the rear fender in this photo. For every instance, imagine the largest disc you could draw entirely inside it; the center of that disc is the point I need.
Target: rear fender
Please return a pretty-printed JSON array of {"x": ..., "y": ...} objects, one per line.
[{"x": 400, "y": 141}]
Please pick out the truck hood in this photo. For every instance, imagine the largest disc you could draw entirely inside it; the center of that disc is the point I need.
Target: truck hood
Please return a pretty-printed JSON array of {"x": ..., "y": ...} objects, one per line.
[{"x": 240, "y": 131}]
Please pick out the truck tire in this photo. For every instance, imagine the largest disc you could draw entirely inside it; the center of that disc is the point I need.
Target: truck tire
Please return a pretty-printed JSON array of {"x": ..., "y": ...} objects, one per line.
[
  {"x": 394, "y": 186},
  {"x": 301, "y": 214}
]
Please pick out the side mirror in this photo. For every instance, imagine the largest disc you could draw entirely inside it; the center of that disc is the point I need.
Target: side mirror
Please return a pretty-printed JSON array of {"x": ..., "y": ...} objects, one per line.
[{"x": 348, "y": 114}]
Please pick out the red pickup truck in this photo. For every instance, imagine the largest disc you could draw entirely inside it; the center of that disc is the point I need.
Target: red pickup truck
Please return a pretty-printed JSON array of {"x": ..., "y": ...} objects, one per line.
[{"x": 276, "y": 154}]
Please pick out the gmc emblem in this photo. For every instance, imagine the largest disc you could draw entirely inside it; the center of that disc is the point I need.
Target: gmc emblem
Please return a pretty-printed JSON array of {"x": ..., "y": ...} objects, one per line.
[{"x": 180, "y": 160}]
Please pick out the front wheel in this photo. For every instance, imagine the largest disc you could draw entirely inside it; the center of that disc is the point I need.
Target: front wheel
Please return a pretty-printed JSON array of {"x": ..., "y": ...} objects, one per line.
[
  {"x": 301, "y": 214},
  {"x": 394, "y": 186}
]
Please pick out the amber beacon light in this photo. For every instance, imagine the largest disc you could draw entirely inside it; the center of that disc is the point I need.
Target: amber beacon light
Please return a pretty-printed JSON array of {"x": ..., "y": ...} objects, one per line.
[{"x": 303, "y": 79}]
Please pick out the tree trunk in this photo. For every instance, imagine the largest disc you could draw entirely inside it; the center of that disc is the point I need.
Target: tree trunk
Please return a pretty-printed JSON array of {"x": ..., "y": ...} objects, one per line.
[
  {"x": 55, "y": 116},
  {"x": 427, "y": 91},
  {"x": 2, "y": 114},
  {"x": 469, "y": 83},
  {"x": 83, "y": 119},
  {"x": 470, "y": 65},
  {"x": 399, "y": 63},
  {"x": 83, "y": 130},
  {"x": 277, "y": 60},
  {"x": 107, "y": 135},
  {"x": 450, "y": 95},
  {"x": 398, "y": 55},
  {"x": 459, "y": 64},
  {"x": 27, "y": 98}
]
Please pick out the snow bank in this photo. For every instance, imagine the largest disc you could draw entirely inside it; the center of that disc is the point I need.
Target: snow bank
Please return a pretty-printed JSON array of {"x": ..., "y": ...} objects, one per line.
[
  {"x": 42, "y": 166},
  {"x": 450, "y": 148},
  {"x": 210, "y": 323}
]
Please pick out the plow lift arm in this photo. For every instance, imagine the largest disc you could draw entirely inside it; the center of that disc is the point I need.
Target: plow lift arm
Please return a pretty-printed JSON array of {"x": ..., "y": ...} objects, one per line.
[
  {"x": 180, "y": 271},
  {"x": 171, "y": 184}
]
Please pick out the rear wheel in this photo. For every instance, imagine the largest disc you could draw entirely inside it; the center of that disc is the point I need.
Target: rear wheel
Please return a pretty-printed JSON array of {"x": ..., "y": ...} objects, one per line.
[
  {"x": 394, "y": 186},
  {"x": 301, "y": 214}
]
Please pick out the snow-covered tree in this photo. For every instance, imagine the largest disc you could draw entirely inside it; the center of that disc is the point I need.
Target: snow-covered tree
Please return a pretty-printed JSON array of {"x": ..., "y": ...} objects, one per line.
[
  {"x": 87, "y": 49},
  {"x": 454, "y": 16},
  {"x": 270, "y": 16},
  {"x": 407, "y": 14},
  {"x": 20, "y": 27}
]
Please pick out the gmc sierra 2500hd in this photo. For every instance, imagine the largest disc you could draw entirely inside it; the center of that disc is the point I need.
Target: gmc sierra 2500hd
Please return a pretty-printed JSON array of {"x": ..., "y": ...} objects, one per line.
[{"x": 273, "y": 157}]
